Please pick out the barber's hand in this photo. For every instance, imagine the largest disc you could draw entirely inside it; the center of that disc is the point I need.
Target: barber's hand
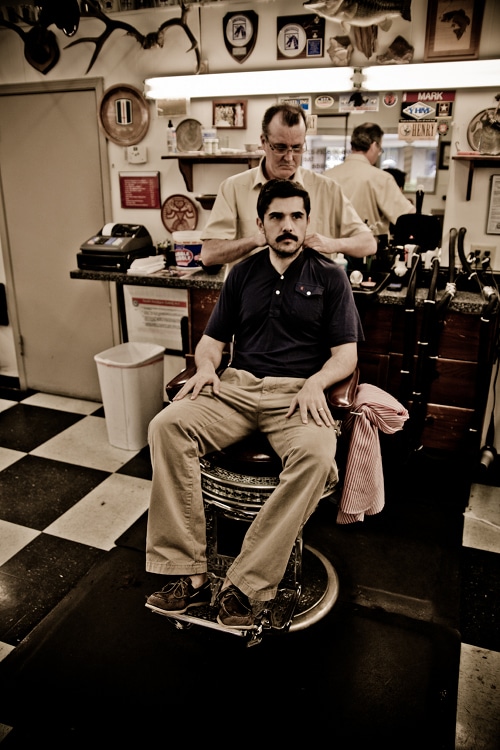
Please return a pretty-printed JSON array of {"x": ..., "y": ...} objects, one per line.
[
  {"x": 260, "y": 239},
  {"x": 320, "y": 243},
  {"x": 196, "y": 383},
  {"x": 311, "y": 400}
]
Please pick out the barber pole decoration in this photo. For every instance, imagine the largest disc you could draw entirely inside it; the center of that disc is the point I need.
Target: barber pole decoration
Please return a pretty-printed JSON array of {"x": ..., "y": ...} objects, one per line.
[{"x": 123, "y": 111}]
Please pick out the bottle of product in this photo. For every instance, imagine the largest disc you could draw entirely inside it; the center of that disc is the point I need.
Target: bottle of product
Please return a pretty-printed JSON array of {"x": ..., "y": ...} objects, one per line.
[
  {"x": 171, "y": 138},
  {"x": 341, "y": 261}
]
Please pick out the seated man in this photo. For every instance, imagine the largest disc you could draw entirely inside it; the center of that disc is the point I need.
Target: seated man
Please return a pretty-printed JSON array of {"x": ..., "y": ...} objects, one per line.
[{"x": 291, "y": 316}]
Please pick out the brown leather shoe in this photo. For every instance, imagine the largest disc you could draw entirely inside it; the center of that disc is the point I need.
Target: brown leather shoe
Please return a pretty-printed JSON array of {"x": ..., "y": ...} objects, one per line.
[
  {"x": 179, "y": 596},
  {"x": 234, "y": 609}
]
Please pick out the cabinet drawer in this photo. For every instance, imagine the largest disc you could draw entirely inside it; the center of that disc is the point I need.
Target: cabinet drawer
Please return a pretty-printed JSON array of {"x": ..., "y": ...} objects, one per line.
[
  {"x": 448, "y": 428},
  {"x": 459, "y": 334},
  {"x": 454, "y": 383},
  {"x": 377, "y": 321}
]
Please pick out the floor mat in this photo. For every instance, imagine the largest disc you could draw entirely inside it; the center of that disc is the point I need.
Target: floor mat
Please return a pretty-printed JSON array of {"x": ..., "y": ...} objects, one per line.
[{"x": 102, "y": 667}]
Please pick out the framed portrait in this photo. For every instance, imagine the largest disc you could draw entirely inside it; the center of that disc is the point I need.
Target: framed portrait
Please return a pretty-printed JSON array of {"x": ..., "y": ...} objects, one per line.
[
  {"x": 444, "y": 155},
  {"x": 230, "y": 114},
  {"x": 453, "y": 29},
  {"x": 493, "y": 222}
]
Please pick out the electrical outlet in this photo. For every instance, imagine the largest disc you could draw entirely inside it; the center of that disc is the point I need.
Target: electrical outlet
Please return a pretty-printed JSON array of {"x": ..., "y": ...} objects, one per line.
[{"x": 482, "y": 253}]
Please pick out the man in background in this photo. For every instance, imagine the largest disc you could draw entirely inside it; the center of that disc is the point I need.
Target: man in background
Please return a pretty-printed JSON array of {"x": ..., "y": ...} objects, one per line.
[{"x": 373, "y": 192}]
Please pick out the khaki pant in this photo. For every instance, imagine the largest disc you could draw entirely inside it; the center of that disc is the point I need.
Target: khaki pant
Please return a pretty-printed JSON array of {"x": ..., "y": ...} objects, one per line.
[{"x": 188, "y": 429}]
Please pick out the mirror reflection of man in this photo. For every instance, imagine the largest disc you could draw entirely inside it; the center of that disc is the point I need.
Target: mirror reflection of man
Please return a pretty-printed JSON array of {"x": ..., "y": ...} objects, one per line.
[{"x": 373, "y": 193}]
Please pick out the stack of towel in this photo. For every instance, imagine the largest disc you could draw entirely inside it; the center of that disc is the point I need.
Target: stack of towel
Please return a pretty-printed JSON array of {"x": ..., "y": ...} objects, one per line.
[{"x": 145, "y": 266}]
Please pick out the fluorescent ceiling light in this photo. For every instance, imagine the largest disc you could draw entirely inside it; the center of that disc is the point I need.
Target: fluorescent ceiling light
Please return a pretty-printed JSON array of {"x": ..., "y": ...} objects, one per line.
[
  {"x": 261, "y": 83},
  {"x": 406, "y": 77},
  {"x": 460, "y": 74}
]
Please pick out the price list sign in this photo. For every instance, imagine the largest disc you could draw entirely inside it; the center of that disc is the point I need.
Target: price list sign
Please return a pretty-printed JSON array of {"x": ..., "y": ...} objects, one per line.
[{"x": 140, "y": 189}]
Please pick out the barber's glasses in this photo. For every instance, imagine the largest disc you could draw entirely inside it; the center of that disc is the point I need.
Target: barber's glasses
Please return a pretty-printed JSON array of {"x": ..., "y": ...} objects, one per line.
[
  {"x": 381, "y": 150},
  {"x": 282, "y": 148}
]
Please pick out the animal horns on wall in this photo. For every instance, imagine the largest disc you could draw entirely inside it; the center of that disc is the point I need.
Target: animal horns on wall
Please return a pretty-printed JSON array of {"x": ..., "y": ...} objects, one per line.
[{"x": 41, "y": 49}]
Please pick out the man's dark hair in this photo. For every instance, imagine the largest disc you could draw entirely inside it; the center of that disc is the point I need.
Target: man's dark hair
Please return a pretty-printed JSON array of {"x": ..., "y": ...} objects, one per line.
[
  {"x": 281, "y": 189},
  {"x": 364, "y": 135},
  {"x": 290, "y": 115},
  {"x": 398, "y": 175}
]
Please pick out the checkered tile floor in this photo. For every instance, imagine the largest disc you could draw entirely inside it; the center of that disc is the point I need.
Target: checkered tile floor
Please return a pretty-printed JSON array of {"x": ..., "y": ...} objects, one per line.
[{"x": 66, "y": 495}]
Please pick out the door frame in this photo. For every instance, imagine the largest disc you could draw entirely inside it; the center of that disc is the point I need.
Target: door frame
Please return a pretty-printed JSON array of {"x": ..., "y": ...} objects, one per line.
[{"x": 78, "y": 84}]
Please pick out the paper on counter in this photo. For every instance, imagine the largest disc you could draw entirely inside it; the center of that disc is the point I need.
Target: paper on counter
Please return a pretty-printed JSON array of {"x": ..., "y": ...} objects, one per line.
[{"x": 144, "y": 266}]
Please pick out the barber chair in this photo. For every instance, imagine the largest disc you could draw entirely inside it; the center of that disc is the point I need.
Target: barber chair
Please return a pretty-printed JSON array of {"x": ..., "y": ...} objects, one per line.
[{"x": 235, "y": 484}]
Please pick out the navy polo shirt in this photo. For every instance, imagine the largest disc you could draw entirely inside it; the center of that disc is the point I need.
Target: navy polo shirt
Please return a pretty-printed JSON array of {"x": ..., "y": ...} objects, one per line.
[{"x": 283, "y": 325}]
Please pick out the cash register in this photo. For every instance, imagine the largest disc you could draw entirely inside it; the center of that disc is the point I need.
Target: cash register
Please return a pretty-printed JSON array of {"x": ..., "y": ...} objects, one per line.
[{"x": 115, "y": 247}]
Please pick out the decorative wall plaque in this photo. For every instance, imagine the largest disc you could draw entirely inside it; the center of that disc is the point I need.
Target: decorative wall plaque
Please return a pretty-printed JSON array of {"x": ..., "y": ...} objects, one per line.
[
  {"x": 300, "y": 36},
  {"x": 240, "y": 34}
]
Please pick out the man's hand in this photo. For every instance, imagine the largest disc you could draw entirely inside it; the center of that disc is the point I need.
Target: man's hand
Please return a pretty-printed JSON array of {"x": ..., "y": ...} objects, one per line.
[
  {"x": 214, "y": 252},
  {"x": 197, "y": 382},
  {"x": 320, "y": 243},
  {"x": 311, "y": 399},
  {"x": 358, "y": 246}
]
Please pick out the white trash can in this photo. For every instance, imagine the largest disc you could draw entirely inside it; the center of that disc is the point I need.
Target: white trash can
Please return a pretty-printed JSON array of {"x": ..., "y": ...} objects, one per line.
[{"x": 131, "y": 382}]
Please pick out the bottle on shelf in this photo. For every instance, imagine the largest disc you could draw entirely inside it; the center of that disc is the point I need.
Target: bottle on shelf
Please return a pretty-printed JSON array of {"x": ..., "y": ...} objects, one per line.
[{"x": 171, "y": 138}]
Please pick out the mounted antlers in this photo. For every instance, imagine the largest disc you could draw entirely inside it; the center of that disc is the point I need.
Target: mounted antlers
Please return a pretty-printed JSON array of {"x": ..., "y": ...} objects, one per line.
[
  {"x": 40, "y": 45},
  {"x": 41, "y": 49},
  {"x": 148, "y": 41}
]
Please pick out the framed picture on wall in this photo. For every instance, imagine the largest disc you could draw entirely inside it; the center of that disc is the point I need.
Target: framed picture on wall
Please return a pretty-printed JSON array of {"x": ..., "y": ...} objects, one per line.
[
  {"x": 230, "y": 114},
  {"x": 453, "y": 30},
  {"x": 493, "y": 222}
]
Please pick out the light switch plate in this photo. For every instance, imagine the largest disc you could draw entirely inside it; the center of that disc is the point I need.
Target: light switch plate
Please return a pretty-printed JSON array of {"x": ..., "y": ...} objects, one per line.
[{"x": 137, "y": 154}]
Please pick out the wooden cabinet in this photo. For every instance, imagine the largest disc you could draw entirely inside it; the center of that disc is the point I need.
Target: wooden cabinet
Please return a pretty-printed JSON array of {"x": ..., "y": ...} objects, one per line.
[
  {"x": 201, "y": 303},
  {"x": 456, "y": 392}
]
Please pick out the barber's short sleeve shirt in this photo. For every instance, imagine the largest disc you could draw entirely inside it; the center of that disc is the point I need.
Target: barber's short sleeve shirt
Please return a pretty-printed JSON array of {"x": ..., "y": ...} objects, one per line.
[
  {"x": 234, "y": 213},
  {"x": 374, "y": 193}
]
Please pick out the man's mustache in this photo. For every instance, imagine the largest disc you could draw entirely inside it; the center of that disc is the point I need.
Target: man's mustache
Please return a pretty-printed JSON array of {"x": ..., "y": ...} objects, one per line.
[{"x": 287, "y": 236}]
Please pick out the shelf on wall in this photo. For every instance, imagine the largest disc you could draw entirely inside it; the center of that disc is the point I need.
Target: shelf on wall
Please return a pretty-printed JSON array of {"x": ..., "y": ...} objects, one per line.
[
  {"x": 186, "y": 162},
  {"x": 476, "y": 160}
]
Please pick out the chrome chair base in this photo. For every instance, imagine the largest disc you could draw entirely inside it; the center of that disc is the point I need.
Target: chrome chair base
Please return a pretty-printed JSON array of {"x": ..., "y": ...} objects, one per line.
[{"x": 292, "y": 610}]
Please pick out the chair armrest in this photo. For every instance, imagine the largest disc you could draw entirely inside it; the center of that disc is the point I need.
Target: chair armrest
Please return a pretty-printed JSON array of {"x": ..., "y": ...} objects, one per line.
[
  {"x": 174, "y": 385},
  {"x": 340, "y": 396}
]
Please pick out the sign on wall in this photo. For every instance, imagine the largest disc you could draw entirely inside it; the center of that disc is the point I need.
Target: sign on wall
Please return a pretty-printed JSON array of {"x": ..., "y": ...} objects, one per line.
[
  {"x": 154, "y": 315},
  {"x": 140, "y": 189}
]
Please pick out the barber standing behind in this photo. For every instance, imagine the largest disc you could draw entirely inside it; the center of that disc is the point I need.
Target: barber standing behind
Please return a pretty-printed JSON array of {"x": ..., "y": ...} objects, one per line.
[
  {"x": 373, "y": 192},
  {"x": 335, "y": 227}
]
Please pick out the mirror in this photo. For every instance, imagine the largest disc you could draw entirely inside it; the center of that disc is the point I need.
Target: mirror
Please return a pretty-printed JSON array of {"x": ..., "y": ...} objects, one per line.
[{"x": 332, "y": 142}]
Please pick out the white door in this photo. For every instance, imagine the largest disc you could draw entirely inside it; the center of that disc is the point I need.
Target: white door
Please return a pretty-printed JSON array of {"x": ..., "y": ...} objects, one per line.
[{"x": 55, "y": 190}]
